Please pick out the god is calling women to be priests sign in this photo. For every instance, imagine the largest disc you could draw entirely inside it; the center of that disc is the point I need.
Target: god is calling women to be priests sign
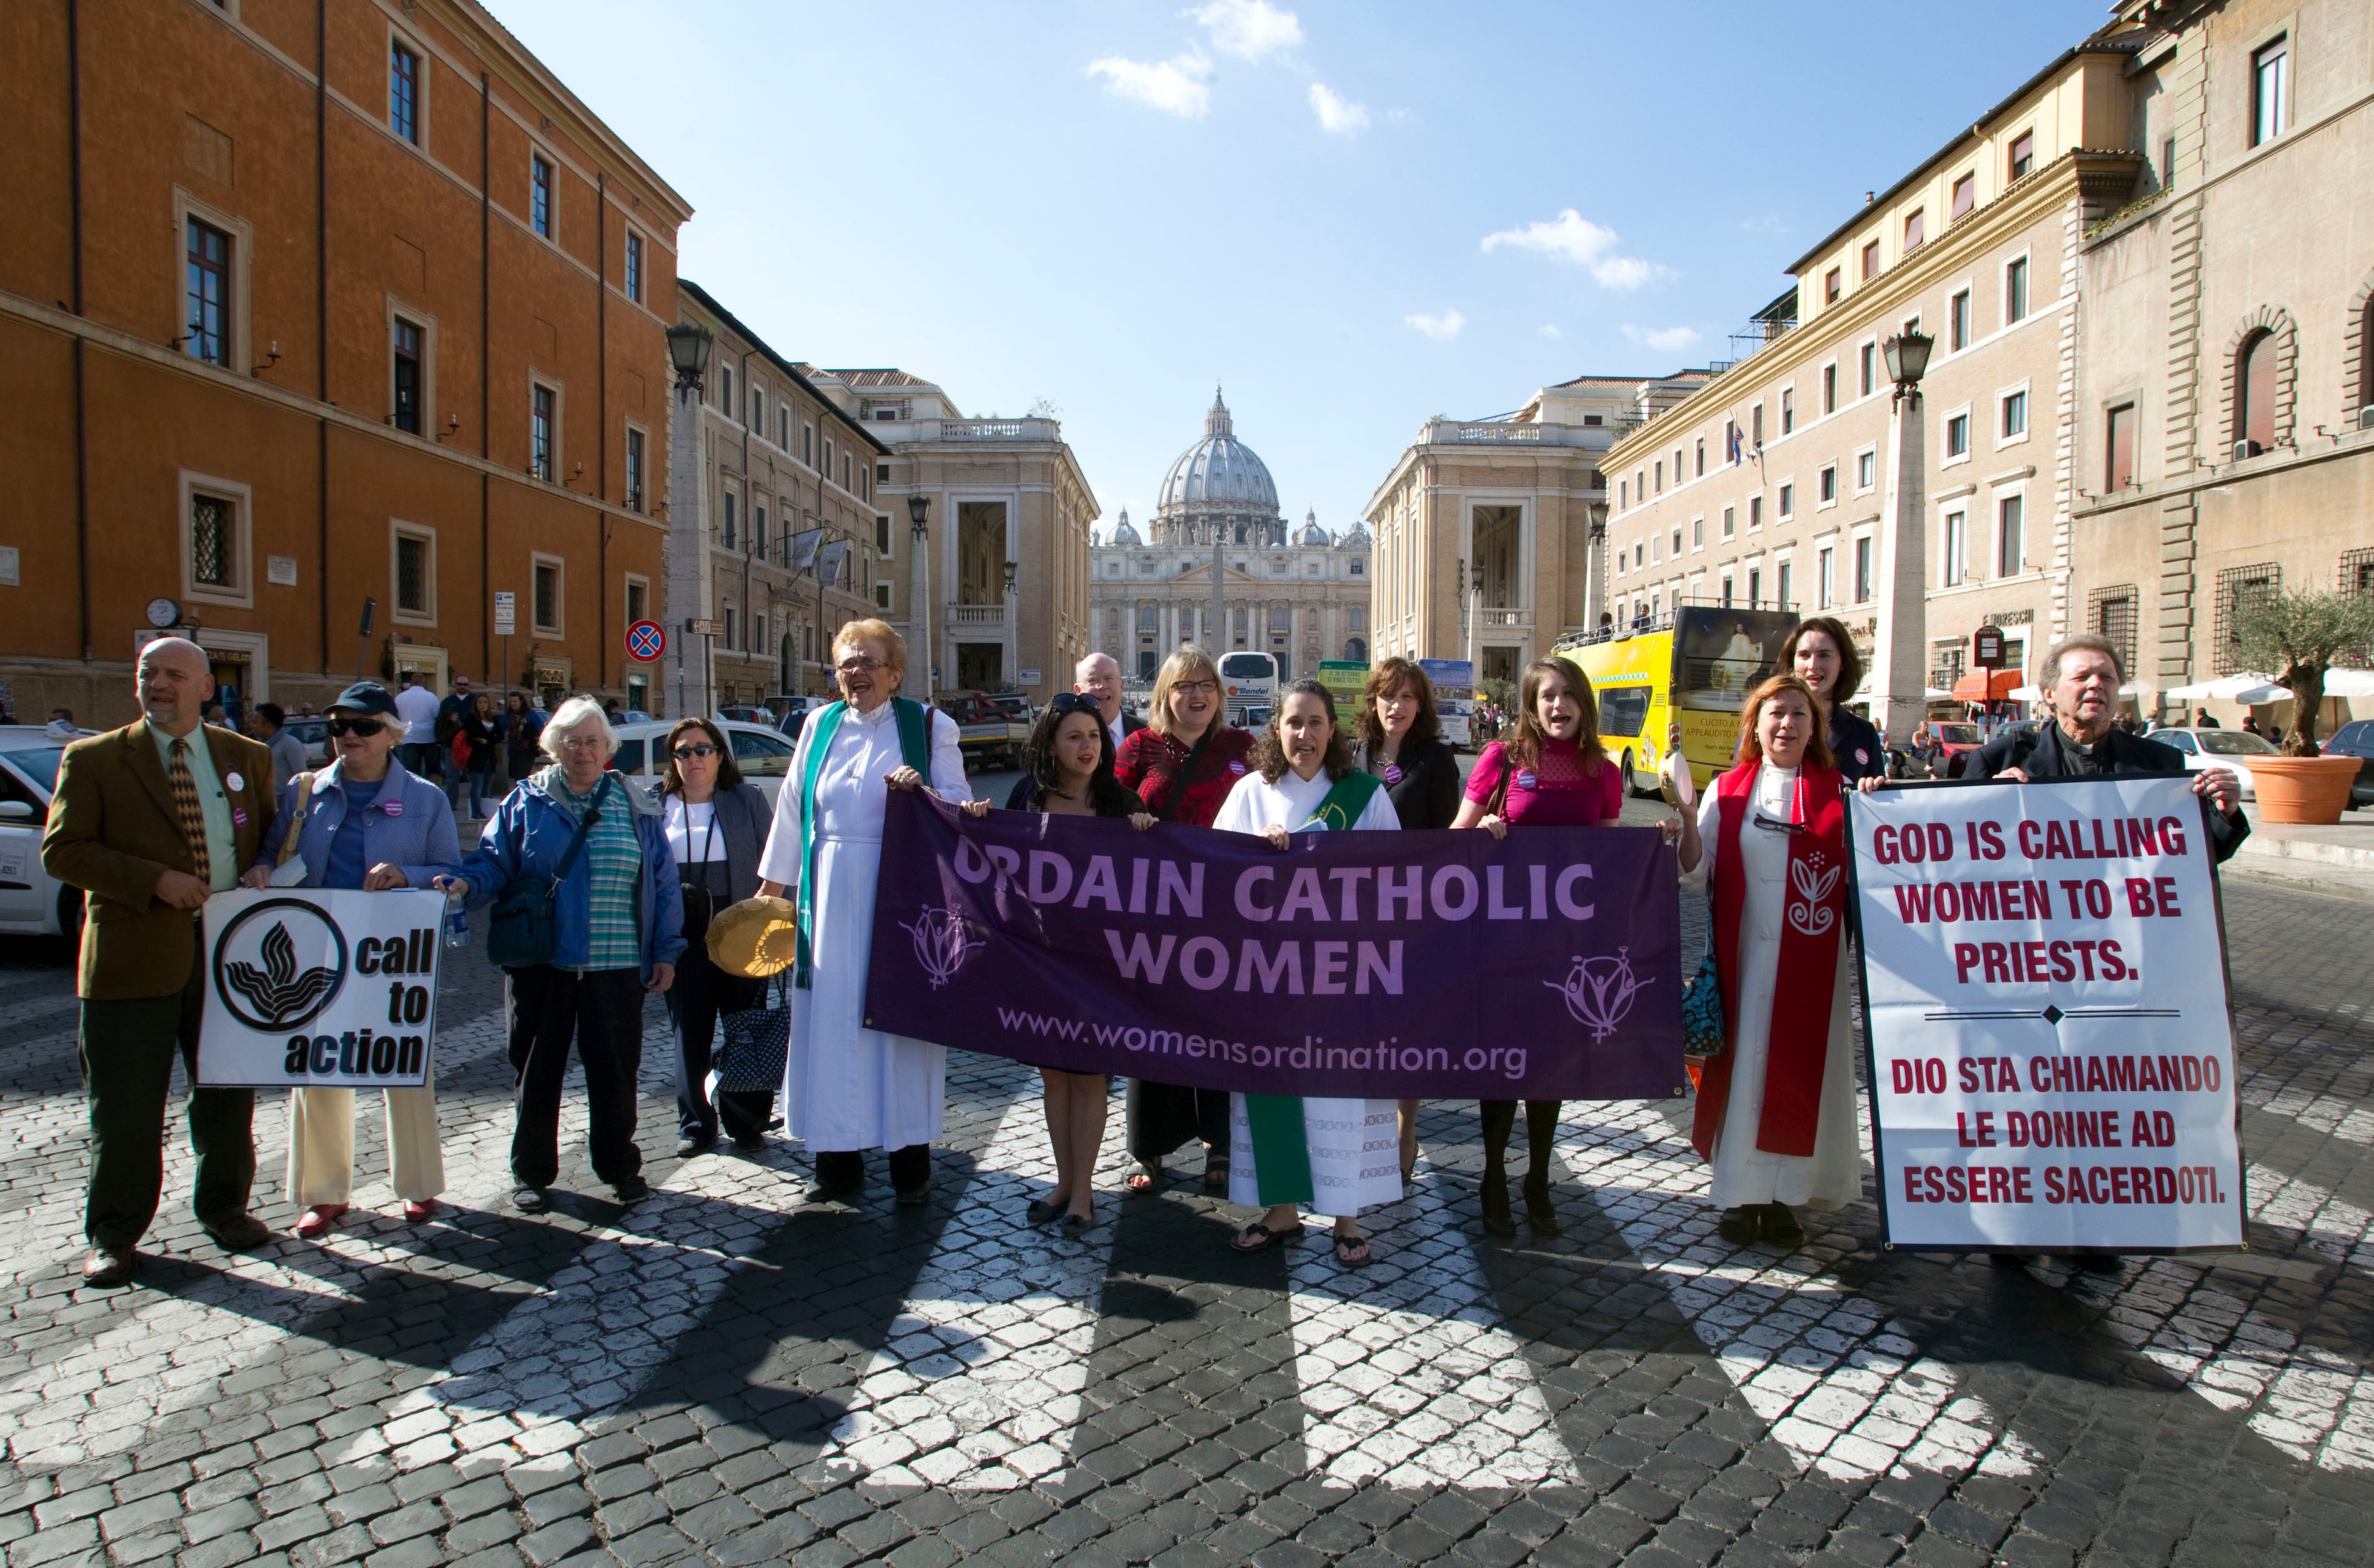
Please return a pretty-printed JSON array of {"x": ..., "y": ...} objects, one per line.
[{"x": 2052, "y": 1051}]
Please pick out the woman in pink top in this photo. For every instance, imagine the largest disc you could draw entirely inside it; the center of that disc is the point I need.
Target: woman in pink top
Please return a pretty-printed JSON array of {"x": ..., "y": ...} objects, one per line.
[{"x": 1552, "y": 772}]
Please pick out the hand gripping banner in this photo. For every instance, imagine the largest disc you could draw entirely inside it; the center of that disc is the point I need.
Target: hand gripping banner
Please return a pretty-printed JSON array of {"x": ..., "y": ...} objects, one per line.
[{"x": 1419, "y": 964}]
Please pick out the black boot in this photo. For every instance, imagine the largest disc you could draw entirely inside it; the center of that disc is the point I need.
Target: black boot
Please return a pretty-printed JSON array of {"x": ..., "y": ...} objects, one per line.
[
  {"x": 838, "y": 1173},
  {"x": 1781, "y": 1227},
  {"x": 910, "y": 1173},
  {"x": 1499, "y": 1118},
  {"x": 1540, "y": 1141}
]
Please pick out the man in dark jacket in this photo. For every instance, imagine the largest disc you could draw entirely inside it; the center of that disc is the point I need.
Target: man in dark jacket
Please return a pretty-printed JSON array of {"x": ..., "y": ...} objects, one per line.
[
  {"x": 2081, "y": 682},
  {"x": 2079, "y": 740},
  {"x": 1100, "y": 677}
]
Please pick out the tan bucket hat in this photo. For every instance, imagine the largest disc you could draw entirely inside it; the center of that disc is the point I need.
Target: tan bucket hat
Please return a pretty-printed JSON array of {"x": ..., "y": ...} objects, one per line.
[{"x": 754, "y": 938}]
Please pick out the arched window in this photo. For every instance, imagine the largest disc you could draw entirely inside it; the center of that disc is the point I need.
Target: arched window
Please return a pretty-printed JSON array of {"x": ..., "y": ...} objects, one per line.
[
  {"x": 1355, "y": 649},
  {"x": 2254, "y": 390}
]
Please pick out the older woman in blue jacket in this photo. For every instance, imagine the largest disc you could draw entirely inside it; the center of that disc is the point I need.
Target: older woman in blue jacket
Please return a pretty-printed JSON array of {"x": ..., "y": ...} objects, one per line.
[
  {"x": 618, "y": 929},
  {"x": 364, "y": 823}
]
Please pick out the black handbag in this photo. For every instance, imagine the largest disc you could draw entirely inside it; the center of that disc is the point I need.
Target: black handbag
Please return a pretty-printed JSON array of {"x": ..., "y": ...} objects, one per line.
[
  {"x": 758, "y": 1041},
  {"x": 523, "y": 929}
]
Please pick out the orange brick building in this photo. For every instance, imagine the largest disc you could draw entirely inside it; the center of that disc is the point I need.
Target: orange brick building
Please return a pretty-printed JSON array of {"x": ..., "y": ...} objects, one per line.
[{"x": 310, "y": 302}]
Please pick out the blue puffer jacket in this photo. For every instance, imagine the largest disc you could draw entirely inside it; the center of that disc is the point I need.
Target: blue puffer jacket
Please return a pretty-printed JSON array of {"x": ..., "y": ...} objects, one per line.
[{"x": 528, "y": 835}]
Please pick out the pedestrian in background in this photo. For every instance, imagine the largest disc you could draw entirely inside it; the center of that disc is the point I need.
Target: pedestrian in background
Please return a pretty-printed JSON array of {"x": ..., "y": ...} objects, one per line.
[
  {"x": 151, "y": 821},
  {"x": 519, "y": 724},
  {"x": 1067, "y": 770},
  {"x": 1776, "y": 1112},
  {"x": 1333, "y": 1154},
  {"x": 475, "y": 747},
  {"x": 717, "y": 827},
  {"x": 365, "y": 823},
  {"x": 1098, "y": 677},
  {"x": 617, "y": 931},
  {"x": 289, "y": 758},
  {"x": 451, "y": 715},
  {"x": 1402, "y": 745},
  {"x": 1182, "y": 765},
  {"x": 1552, "y": 772},
  {"x": 416, "y": 706}
]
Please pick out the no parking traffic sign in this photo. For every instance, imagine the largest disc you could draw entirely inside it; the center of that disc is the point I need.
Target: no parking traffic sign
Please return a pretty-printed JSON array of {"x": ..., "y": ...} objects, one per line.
[{"x": 646, "y": 640}]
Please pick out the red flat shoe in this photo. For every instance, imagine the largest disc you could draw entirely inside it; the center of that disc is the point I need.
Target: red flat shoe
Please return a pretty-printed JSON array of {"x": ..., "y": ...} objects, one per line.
[
  {"x": 415, "y": 1213},
  {"x": 317, "y": 1220}
]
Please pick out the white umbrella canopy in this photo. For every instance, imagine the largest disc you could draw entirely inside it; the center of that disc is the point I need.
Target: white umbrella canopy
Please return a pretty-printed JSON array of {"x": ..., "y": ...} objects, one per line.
[
  {"x": 2229, "y": 688},
  {"x": 2349, "y": 683}
]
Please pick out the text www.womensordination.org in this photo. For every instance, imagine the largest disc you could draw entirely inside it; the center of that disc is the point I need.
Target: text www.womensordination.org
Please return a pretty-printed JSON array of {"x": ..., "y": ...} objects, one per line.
[{"x": 1313, "y": 1055}]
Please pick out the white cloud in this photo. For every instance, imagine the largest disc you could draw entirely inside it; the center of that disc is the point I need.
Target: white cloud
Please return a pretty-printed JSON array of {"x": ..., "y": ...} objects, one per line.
[
  {"x": 1765, "y": 225},
  {"x": 1443, "y": 328},
  {"x": 1250, "y": 28},
  {"x": 1177, "y": 86},
  {"x": 1335, "y": 114},
  {"x": 1664, "y": 340},
  {"x": 1574, "y": 238},
  {"x": 1549, "y": 330}
]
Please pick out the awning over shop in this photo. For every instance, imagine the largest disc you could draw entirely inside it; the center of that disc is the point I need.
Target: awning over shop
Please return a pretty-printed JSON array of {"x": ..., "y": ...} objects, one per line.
[{"x": 1987, "y": 685}]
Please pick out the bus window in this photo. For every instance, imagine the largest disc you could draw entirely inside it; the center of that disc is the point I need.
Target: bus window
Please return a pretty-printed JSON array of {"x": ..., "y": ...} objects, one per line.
[
  {"x": 1248, "y": 666},
  {"x": 1623, "y": 711}
]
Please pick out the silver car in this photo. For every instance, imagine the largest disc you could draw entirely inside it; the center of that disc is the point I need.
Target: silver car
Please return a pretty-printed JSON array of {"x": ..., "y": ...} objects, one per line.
[
  {"x": 32, "y": 902},
  {"x": 760, "y": 751}
]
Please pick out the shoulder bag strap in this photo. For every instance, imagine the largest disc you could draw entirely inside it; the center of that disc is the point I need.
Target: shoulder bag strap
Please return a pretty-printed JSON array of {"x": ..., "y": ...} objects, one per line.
[
  {"x": 1186, "y": 772},
  {"x": 585, "y": 825},
  {"x": 297, "y": 822}
]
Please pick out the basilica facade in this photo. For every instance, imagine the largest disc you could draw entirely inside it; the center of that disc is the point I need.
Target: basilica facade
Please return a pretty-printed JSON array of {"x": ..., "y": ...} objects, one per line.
[{"x": 1298, "y": 592}]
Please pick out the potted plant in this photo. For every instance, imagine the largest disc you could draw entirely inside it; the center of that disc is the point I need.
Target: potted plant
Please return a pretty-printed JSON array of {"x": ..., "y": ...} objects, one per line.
[{"x": 2300, "y": 635}]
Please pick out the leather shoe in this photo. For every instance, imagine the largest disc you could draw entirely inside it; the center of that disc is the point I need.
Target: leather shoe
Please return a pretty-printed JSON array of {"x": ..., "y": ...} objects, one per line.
[
  {"x": 750, "y": 1141},
  {"x": 634, "y": 1189},
  {"x": 530, "y": 1200},
  {"x": 239, "y": 1233},
  {"x": 108, "y": 1267}
]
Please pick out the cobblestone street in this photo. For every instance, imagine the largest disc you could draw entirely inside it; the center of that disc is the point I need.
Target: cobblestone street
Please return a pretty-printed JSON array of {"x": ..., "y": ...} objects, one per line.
[{"x": 724, "y": 1374}]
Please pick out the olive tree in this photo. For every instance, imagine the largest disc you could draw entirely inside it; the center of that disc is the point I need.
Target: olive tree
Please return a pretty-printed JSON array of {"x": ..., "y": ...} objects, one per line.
[{"x": 2297, "y": 635}]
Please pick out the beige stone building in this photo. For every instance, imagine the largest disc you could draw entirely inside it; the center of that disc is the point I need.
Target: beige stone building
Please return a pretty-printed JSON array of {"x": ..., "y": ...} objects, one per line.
[
  {"x": 773, "y": 530},
  {"x": 1490, "y": 533},
  {"x": 999, "y": 591},
  {"x": 1300, "y": 593},
  {"x": 2223, "y": 442},
  {"x": 1767, "y": 485}
]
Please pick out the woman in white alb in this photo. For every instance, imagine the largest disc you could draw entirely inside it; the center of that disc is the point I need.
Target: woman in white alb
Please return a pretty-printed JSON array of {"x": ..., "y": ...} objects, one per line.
[
  {"x": 849, "y": 1088},
  {"x": 1301, "y": 762},
  {"x": 1776, "y": 1112}
]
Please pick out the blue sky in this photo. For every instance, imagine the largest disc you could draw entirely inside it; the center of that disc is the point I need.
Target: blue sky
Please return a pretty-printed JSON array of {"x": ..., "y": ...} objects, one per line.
[{"x": 1354, "y": 216}]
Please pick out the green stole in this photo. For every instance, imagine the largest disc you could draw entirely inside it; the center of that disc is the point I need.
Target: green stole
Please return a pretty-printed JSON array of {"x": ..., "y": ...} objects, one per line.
[
  {"x": 914, "y": 748},
  {"x": 1281, "y": 1150}
]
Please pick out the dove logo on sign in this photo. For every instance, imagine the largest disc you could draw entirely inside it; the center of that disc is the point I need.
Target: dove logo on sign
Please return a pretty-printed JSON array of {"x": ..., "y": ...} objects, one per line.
[{"x": 279, "y": 964}]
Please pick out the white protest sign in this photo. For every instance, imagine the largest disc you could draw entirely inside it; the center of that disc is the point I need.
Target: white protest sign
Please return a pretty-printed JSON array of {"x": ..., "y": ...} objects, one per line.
[
  {"x": 2052, "y": 1053},
  {"x": 320, "y": 987}
]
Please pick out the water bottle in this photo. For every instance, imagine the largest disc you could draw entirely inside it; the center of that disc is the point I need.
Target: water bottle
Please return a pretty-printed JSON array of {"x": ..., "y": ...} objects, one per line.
[{"x": 457, "y": 919}]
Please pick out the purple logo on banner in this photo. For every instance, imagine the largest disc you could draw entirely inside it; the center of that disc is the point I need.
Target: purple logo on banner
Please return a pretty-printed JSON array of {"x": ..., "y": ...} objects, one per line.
[{"x": 1421, "y": 964}]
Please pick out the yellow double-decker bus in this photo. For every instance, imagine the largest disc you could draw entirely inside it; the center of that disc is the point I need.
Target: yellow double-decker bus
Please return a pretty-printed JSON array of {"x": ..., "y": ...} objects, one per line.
[{"x": 1698, "y": 664}]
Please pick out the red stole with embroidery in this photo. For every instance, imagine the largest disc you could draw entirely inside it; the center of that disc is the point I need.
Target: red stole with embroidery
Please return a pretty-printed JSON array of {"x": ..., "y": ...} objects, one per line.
[{"x": 1813, "y": 923}]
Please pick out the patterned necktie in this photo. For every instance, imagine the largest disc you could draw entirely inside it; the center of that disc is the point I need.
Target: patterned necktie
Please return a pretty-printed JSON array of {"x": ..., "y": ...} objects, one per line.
[{"x": 185, "y": 806}]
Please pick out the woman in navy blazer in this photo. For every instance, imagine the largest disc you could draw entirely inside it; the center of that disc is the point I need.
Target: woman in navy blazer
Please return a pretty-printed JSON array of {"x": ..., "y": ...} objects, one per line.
[{"x": 364, "y": 823}]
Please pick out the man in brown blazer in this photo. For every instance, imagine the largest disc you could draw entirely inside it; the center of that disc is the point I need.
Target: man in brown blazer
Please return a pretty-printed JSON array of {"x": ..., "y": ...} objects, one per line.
[{"x": 151, "y": 821}]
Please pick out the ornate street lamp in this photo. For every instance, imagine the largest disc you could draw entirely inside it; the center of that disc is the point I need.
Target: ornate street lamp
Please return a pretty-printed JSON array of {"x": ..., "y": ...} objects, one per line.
[
  {"x": 689, "y": 352},
  {"x": 1907, "y": 361},
  {"x": 919, "y": 512}
]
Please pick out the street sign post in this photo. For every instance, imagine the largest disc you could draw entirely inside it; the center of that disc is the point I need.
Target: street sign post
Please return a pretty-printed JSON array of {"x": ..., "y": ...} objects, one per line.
[
  {"x": 646, "y": 640},
  {"x": 1987, "y": 648},
  {"x": 506, "y": 613}
]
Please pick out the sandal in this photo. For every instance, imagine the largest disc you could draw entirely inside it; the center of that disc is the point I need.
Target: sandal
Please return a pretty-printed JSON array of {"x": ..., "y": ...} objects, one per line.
[
  {"x": 1144, "y": 1178},
  {"x": 1215, "y": 1172},
  {"x": 1259, "y": 1237},
  {"x": 1347, "y": 1247}
]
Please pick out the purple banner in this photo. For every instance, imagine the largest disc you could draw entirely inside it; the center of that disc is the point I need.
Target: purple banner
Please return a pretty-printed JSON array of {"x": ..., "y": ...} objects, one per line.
[{"x": 1377, "y": 966}]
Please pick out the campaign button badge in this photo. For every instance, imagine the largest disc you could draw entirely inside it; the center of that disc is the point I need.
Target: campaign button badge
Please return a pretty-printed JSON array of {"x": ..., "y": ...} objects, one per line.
[
  {"x": 1393, "y": 773},
  {"x": 393, "y": 808},
  {"x": 238, "y": 817},
  {"x": 1235, "y": 767},
  {"x": 1525, "y": 781},
  {"x": 234, "y": 783}
]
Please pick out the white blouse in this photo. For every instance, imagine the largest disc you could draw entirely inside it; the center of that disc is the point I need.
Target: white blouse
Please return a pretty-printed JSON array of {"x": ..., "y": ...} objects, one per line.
[{"x": 692, "y": 830}]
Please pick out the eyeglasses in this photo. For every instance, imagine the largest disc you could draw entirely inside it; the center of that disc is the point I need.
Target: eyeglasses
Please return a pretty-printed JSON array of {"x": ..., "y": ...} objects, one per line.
[
  {"x": 1074, "y": 702},
  {"x": 356, "y": 726},
  {"x": 585, "y": 743},
  {"x": 686, "y": 753},
  {"x": 858, "y": 666},
  {"x": 1195, "y": 688}
]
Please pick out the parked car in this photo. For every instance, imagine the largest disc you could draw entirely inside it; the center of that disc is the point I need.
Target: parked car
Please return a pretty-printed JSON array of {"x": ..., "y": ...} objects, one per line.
[
  {"x": 760, "y": 751},
  {"x": 2357, "y": 739},
  {"x": 2228, "y": 749},
  {"x": 743, "y": 713},
  {"x": 987, "y": 733},
  {"x": 1955, "y": 741},
  {"x": 32, "y": 902}
]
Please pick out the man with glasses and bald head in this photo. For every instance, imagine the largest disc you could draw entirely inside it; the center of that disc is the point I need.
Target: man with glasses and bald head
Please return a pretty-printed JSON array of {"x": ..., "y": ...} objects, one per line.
[
  {"x": 151, "y": 821},
  {"x": 1100, "y": 677}
]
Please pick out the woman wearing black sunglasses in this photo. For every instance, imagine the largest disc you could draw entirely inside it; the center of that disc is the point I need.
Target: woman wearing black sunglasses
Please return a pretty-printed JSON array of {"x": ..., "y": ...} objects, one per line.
[
  {"x": 717, "y": 826},
  {"x": 1067, "y": 770}
]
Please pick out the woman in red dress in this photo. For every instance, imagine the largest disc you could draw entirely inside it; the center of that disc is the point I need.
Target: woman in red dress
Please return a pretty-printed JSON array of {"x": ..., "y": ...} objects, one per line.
[
  {"x": 1182, "y": 765},
  {"x": 1552, "y": 772}
]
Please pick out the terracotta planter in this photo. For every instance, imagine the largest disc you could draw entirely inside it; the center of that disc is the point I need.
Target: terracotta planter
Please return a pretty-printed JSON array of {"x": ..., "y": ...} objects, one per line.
[{"x": 2302, "y": 789}]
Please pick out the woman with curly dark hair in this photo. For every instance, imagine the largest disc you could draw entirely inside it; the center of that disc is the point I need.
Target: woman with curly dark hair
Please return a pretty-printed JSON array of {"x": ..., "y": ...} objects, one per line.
[
  {"x": 1335, "y": 1155},
  {"x": 1551, "y": 773},
  {"x": 1067, "y": 770}
]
